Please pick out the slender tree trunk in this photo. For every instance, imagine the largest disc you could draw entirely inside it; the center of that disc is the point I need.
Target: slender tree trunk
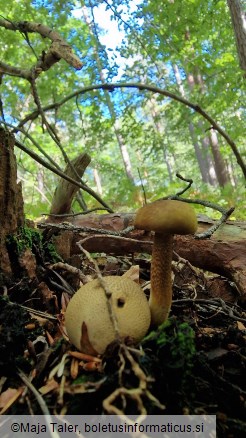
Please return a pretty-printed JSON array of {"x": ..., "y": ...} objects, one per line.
[
  {"x": 202, "y": 162},
  {"x": 201, "y": 154},
  {"x": 122, "y": 146},
  {"x": 220, "y": 166},
  {"x": 238, "y": 17},
  {"x": 97, "y": 180},
  {"x": 40, "y": 182},
  {"x": 203, "y": 157},
  {"x": 159, "y": 128}
]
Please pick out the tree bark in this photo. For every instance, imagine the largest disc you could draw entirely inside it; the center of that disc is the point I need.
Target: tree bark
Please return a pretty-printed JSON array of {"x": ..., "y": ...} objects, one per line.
[
  {"x": 11, "y": 202},
  {"x": 200, "y": 152},
  {"x": 219, "y": 163},
  {"x": 238, "y": 17},
  {"x": 65, "y": 191}
]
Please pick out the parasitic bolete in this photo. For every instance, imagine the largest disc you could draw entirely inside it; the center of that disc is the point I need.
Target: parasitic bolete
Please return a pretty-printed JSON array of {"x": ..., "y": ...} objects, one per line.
[
  {"x": 165, "y": 218},
  {"x": 87, "y": 319}
]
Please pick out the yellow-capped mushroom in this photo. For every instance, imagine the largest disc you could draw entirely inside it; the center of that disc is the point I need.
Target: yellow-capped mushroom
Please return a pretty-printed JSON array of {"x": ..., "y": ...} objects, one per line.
[{"x": 165, "y": 218}]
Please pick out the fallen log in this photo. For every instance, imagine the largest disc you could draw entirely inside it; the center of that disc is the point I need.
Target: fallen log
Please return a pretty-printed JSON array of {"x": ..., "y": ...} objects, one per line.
[{"x": 223, "y": 253}]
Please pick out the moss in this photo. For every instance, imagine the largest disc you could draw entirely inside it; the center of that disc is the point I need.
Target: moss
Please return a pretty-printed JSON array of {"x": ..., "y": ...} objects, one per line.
[
  {"x": 174, "y": 343},
  {"x": 31, "y": 238},
  {"x": 25, "y": 238}
]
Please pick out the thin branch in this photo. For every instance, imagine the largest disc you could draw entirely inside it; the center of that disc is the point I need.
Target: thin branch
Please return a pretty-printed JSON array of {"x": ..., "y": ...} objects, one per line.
[
  {"x": 216, "y": 302},
  {"x": 124, "y": 239},
  {"x": 58, "y": 172},
  {"x": 65, "y": 215},
  {"x": 107, "y": 291},
  {"x": 144, "y": 87},
  {"x": 62, "y": 175},
  {"x": 41, "y": 402},
  {"x": 76, "y": 229},
  {"x": 35, "y": 312},
  {"x": 225, "y": 214}
]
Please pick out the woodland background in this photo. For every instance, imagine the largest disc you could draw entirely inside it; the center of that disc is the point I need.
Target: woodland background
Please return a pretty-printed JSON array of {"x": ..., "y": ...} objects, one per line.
[
  {"x": 137, "y": 140},
  {"x": 144, "y": 111}
]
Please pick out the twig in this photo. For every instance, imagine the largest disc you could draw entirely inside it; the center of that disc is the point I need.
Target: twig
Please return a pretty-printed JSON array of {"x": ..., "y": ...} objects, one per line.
[
  {"x": 69, "y": 268},
  {"x": 41, "y": 402},
  {"x": 34, "y": 311},
  {"x": 225, "y": 309},
  {"x": 103, "y": 284},
  {"x": 225, "y": 214},
  {"x": 62, "y": 175},
  {"x": 190, "y": 182},
  {"x": 74, "y": 228},
  {"x": 125, "y": 239},
  {"x": 39, "y": 106},
  {"x": 74, "y": 214}
]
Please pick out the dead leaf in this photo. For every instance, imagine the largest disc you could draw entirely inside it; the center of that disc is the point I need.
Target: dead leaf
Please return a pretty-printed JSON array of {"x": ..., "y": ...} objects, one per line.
[
  {"x": 27, "y": 261},
  {"x": 8, "y": 397},
  {"x": 240, "y": 326},
  {"x": 50, "y": 386}
]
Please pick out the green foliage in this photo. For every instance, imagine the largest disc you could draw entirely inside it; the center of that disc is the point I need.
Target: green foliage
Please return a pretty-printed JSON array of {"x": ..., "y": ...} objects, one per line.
[{"x": 187, "y": 48}]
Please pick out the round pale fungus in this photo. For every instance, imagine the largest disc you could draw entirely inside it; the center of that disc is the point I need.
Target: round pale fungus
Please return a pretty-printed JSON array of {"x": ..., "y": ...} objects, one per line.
[{"x": 87, "y": 319}]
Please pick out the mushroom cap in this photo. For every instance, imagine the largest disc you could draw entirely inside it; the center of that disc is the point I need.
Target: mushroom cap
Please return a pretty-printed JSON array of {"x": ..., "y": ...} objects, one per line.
[
  {"x": 167, "y": 216},
  {"x": 89, "y": 306}
]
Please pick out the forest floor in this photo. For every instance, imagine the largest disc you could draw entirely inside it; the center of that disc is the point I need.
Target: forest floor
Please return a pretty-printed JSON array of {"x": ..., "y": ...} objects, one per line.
[{"x": 194, "y": 364}]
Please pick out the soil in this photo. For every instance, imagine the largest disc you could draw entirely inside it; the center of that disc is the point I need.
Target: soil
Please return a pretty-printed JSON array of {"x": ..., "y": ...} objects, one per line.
[{"x": 194, "y": 363}]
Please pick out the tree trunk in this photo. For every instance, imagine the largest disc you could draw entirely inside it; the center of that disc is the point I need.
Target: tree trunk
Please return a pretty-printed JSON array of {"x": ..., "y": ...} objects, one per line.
[
  {"x": 201, "y": 153},
  {"x": 162, "y": 135},
  {"x": 11, "y": 202},
  {"x": 238, "y": 17},
  {"x": 122, "y": 146},
  {"x": 219, "y": 163}
]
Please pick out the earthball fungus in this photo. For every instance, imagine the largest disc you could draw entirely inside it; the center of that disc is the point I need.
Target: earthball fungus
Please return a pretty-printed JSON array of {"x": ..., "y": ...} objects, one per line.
[
  {"x": 165, "y": 218},
  {"x": 87, "y": 319}
]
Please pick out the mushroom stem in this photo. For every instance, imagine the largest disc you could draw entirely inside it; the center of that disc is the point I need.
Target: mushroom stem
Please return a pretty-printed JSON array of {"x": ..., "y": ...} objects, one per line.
[{"x": 161, "y": 278}]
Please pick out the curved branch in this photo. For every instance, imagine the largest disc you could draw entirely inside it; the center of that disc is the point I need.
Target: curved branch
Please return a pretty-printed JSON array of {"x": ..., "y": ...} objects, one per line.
[{"x": 153, "y": 89}]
